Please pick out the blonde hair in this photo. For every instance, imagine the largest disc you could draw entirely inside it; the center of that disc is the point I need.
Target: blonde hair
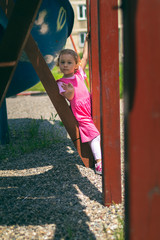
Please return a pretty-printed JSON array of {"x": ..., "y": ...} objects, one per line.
[{"x": 73, "y": 54}]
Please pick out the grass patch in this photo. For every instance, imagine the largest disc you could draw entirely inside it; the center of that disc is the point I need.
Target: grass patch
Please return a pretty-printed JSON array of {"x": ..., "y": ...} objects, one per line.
[
  {"x": 121, "y": 80},
  {"x": 56, "y": 73},
  {"x": 119, "y": 233},
  {"x": 38, "y": 87},
  {"x": 26, "y": 139}
]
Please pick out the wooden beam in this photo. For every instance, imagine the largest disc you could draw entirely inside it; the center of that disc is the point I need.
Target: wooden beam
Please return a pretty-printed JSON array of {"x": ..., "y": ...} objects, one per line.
[
  {"x": 142, "y": 118},
  {"x": 103, "y": 27},
  {"x": 14, "y": 39},
  {"x": 92, "y": 7},
  {"x": 109, "y": 84},
  {"x": 58, "y": 101}
]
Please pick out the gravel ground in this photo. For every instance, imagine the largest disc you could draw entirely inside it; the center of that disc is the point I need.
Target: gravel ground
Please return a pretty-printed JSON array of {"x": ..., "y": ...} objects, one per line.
[{"x": 49, "y": 194}]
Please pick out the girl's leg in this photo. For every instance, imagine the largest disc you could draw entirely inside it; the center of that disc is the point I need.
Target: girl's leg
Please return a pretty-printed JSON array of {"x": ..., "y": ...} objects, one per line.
[{"x": 96, "y": 150}]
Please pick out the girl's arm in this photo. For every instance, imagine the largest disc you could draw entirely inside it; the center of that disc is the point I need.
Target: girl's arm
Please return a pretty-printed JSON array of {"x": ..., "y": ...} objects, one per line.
[
  {"x": 85, "y": 53},
  {"x": 69, "y": 91}
]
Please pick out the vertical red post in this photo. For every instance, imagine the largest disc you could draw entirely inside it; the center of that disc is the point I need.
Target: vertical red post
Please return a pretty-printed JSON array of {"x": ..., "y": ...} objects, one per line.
[
  {"x": 105, "y": 92},
  {"x": 110, "y": 118},
  {"x": 142, "y": 72},
  {"x": 94, "y": 60}
]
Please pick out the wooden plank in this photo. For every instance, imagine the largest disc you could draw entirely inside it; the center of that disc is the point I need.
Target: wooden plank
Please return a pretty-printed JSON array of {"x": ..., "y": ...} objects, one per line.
[
  {"x": 58, "y": 101},
  {"x": 109, "y": 83},
  {"x": 14, "y": 39},
  {"x": 142, "y": 57},
  {"x": 94, "y": 60}
]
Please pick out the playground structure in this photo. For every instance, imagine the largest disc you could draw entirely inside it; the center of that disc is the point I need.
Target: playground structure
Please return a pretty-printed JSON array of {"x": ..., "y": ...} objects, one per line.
[
  {"x": 141, "y": 100},
  {"x": 50, "y": 32},
  {"x": 17, "y": 21}
]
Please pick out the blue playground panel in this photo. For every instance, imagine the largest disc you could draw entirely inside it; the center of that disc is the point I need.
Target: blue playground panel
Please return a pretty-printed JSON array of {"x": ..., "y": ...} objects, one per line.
[{"x": 52, "y": 27}]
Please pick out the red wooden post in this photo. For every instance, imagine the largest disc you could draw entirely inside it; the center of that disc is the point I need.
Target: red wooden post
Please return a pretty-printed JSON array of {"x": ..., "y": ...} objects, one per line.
[
  {"x": 110, "y": 120},
  {"x": 94, "y": 60},
  {"x": 105, "y": 92},
  {"x": 142, "y": 84}
]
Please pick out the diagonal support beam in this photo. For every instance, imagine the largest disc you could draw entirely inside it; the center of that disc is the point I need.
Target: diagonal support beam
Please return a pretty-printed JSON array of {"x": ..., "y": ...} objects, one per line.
[
  {"x": 58, "y": 101},
  {"x": 14, "y": 40}
]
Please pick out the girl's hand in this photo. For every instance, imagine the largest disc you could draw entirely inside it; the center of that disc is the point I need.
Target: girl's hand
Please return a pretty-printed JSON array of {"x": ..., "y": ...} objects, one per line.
[
  {"x": 69, "y": 90},
  {"x": 67, "y": 87}
]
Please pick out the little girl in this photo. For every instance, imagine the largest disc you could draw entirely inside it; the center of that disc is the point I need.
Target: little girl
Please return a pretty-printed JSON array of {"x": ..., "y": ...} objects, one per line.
[{"x": 73, "y": 88}]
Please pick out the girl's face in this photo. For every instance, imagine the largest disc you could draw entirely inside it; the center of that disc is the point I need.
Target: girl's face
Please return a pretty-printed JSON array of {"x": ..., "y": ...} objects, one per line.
[{"x": 67, "y": 65}]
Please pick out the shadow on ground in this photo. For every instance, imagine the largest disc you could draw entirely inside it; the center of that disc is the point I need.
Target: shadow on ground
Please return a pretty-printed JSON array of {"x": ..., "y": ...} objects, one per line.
[{"x": 38, "y": 188}]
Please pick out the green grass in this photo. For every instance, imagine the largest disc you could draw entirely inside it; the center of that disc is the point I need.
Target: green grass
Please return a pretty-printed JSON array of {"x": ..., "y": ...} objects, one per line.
[
  {"x": 119, "y": 233},
  {"x": 56, "y": 73},
  {"x": 39, "y": 86},
  {"x": 27, "y": 138},
  {"x": 121, "y": 80}
]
